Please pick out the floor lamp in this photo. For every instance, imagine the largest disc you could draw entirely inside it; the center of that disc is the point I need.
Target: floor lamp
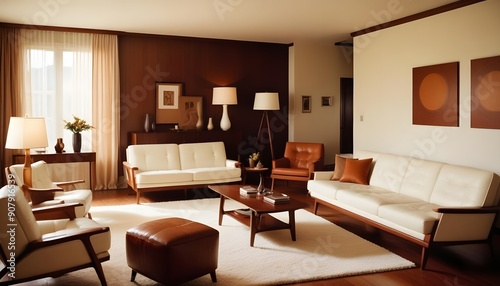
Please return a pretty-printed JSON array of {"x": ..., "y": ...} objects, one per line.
[
  {"x": 224, "y": 96},
  {"x": 266, "y": 101},
  {"x": 26, "y": 133}
]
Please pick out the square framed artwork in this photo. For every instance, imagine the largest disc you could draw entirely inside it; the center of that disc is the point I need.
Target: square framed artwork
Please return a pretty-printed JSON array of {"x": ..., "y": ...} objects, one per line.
[
  {"x": 326, "y": 101},
  {"x": 306, "y": 104},
  {"x": 167, "y": 102},
  {"x": 485, "y": 93},
  {"x": 435, "y": 95}
]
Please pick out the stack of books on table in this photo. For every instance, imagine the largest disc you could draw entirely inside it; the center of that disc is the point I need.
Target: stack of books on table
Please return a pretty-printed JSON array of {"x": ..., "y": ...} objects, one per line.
[
  {"x": 248, "y": 191},
  {"x": 277, "y": 198}
]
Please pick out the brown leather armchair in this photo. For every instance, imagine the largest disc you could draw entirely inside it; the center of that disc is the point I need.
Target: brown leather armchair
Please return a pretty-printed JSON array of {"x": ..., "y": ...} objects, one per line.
[{"x": 299, "y": 162}]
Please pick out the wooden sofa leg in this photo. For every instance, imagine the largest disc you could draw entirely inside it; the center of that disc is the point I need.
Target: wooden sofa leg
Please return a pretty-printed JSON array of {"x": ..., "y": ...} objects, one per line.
[
  {"x": 423, "y": 259},
  {"x": 316, "y": 206},
  {"x": 138, "y": 196}
]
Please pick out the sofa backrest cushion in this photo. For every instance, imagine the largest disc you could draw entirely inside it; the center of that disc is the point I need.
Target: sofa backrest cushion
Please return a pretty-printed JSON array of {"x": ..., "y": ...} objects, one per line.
[
  {"x": 388, "y": 171},
  {"x": 464, "y": 186},
  {"x": 202, "y": 155},
  {"x": 420, "y": 178},
  {"x": 149, "y": 157}
]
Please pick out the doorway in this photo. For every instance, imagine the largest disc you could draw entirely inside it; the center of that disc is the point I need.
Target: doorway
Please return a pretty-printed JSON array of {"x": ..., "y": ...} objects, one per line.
[{"x": 346, "y": 116}]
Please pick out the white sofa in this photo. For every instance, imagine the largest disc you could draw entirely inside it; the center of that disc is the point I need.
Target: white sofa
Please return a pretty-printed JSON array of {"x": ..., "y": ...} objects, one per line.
[
  {"x": 423, "y": 201},
  {"x": 159, "y": 167}
]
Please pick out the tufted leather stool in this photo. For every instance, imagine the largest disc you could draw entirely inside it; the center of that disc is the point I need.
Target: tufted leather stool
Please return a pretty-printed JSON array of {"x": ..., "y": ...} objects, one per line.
[{"x": 172, "y": 250}]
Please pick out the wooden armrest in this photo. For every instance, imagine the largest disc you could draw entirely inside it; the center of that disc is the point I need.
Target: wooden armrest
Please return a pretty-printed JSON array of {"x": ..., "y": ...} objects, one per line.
[
  {"x": 466, "y": 210},
  {"x": 69, "y": 183},
  {"x": 129, "y": 166},
  {"x": 81, "y": 234},
  {"x": 59, "y": 211},
  {"x": 44, "y": 190},
  {"x": 130, "y": 172}
]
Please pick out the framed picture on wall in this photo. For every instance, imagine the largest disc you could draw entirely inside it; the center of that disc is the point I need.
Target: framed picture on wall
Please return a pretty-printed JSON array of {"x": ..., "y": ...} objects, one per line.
[
  {"x": 326, "y": 100},
  {"x": 167, "y": 102},
  {"x": 306, "y": 104}
]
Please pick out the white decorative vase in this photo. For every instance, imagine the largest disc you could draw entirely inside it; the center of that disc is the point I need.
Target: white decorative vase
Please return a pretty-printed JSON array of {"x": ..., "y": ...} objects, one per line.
[{"x": 210, "y": 125}]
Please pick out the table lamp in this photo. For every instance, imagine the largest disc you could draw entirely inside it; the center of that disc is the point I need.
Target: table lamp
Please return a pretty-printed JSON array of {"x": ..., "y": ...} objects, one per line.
[
  {"x": 26, "y": 133},
  {"x": 266, "y": 101},
  {"x": 224, "y": 96}
]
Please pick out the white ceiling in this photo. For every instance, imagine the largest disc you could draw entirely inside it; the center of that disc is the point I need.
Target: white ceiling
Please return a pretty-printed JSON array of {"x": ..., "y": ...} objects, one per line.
[{"x": 278, "y": 21}]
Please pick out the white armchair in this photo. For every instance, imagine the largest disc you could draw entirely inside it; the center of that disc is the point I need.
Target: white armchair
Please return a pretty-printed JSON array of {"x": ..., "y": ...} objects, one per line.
[
  {"x": 40, "y": 248},
  {"x": 46, "y": 192}
]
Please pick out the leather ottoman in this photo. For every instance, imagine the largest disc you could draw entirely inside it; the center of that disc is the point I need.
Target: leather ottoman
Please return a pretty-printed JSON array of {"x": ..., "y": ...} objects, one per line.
[{"x": 172, "y": 250}]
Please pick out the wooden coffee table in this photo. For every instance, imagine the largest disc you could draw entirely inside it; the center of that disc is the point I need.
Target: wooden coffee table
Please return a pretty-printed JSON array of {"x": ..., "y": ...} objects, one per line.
[{"x": 259, "y": 218}]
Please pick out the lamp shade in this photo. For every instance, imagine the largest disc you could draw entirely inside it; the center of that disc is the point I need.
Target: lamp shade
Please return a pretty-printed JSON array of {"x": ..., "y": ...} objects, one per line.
[
  {"x": 266, "y": 101},
  {"x": 224, "y": 95},
  {"x": 26, "y": 133}
]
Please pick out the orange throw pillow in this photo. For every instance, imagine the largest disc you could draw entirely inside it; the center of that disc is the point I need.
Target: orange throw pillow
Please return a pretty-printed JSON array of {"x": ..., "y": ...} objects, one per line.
[
  {"x": 339, "y": 167},
  {"x": 357, "y": 171}
]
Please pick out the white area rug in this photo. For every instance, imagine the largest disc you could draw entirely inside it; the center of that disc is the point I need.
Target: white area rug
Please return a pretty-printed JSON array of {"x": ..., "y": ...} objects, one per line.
[{"x": 322, "y": 250}]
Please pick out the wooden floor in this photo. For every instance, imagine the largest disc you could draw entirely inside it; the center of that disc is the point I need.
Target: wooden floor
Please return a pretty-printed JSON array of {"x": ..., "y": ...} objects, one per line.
[{"x": 449, "y": 266}]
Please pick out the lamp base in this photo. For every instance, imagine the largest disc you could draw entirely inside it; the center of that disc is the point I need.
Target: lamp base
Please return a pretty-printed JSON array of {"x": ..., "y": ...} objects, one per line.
[
  {"x": 27, "y": 179},
  {"x": 225, "y": 123}
]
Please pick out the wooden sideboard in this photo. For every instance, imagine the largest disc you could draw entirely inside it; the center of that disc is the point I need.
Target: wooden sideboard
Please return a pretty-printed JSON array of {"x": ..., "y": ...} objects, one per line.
[{"x": 231, "y": 138}]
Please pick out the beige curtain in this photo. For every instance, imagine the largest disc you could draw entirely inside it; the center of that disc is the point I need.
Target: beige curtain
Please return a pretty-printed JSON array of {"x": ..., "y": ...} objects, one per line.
[
  {"x": 105, "y": 109},
  {"x": 10, "y": 90}
]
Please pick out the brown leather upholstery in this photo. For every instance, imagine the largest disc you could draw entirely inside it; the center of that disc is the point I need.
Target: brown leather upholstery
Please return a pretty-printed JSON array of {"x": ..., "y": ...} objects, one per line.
[
  {"x": 172, "y": 250},
  {"x": 299, "y": 162}
]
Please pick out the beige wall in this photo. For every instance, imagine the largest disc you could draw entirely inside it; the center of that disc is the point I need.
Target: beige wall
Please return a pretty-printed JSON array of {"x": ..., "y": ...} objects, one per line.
[
  {"x": 383, "y": 63},
  {"x": 315, "y": 70}
]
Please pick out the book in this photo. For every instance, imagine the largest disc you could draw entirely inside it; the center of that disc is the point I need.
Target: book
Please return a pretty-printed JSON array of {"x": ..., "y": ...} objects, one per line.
[
  {"x": 248, "y": 190},
  {"x": 277, "y": 198}
]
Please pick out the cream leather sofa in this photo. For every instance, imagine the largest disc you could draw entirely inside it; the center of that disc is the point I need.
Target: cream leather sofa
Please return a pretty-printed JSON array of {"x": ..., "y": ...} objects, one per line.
[
  {"x": 423, "y": 201},
  {"x": 159, "y": 167}
]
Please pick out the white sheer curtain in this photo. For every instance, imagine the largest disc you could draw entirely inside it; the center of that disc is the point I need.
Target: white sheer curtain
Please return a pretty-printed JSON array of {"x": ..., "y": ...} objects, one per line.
[
  {"x": 58, "y": 81},
  {"x": 76, "y": 74}
]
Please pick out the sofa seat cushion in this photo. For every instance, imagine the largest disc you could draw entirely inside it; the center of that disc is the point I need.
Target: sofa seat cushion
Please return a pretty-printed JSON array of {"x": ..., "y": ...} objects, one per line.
[
  {"x": 291, "y": 172},
  {"x": 371, "y": 199},
  {"x": 417, "y": 216},
  {"x": 163, "y": 176},
  {"x": 214, "y": 173}
]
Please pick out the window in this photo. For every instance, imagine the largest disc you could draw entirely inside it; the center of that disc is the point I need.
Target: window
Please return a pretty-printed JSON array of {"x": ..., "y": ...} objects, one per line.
[{"x": 58, "y": 80}]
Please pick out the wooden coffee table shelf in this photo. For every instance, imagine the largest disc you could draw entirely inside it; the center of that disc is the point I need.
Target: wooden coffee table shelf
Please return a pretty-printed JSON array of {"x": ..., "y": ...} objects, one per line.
[{"x": 259, "y": 218}]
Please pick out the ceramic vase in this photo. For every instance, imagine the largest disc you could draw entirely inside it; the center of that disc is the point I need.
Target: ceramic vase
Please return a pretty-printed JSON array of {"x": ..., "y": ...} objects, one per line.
[
  {"x": 199, "y": 123},
  {"x": 77, "y": 142},
  {"x": 210, "y": 125},
  {"x": 147, "y": 123},
  {"x": 251, "y": 163},
  {"x": 59, "y": 145}
]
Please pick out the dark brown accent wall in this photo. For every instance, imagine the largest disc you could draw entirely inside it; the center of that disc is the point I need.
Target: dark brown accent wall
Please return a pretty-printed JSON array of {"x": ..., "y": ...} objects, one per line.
[{"x": 200, "y": 65}]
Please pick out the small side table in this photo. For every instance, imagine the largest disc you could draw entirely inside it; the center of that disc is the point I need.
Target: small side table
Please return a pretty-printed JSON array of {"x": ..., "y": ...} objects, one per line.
[{"x": 259, "y": 171}]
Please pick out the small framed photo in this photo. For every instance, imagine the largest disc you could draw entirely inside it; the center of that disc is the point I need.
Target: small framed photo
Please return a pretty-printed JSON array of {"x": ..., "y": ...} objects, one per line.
[
  {"x": 167, "y": 102},
  {"x": 306, "y": 104},
  {"x": 326, "y": 101}
]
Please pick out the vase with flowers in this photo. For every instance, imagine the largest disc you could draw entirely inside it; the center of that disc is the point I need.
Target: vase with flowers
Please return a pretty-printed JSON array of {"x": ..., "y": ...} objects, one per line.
[
  {"x": 77, "y": 126},
  {"x": 253, "y": 159}
]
